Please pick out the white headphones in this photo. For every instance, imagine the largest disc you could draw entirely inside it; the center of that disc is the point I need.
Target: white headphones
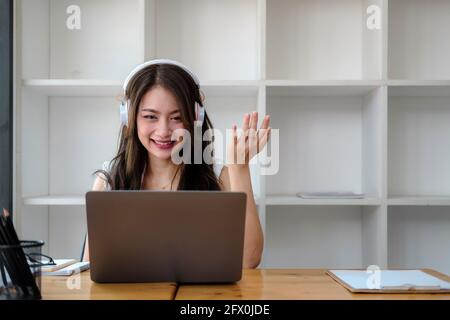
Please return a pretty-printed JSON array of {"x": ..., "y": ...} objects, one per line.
[{"x": 199, "y": 110}]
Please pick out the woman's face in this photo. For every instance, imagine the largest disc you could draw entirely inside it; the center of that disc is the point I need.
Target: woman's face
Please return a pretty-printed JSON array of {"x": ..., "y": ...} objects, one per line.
[{"x": 158, "y": 117}]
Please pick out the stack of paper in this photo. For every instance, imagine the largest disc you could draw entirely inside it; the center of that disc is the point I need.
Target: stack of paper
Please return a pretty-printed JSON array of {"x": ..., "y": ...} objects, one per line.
[
  {"x": 388, "y": 280},
  {"x": 330, "y": 195}
]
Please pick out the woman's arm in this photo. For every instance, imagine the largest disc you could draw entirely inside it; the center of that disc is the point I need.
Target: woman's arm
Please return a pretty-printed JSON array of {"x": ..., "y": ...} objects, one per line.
[
  {"x": 238, "y": 179},
  {"x": 99, "y": 185}
]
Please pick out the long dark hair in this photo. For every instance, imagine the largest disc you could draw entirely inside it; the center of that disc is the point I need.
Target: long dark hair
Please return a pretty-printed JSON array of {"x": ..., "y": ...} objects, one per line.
[{"x": 127, "y": 167}]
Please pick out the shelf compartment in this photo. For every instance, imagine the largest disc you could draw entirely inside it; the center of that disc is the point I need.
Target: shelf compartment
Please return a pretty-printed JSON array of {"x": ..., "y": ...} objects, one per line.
[
  {"x": 418, "y": 237},
  {"x": 226, "y": 88},
  {"x": 322, "y": 237},
  {"x": 224, "y": 111},
  {"x": 322, "y": 40},
  {"x": 418, "y": 130},
  {"x": 108, "y": 44},
  {"x": 62, "y": 144},
  {"x": 328, "y": 143},
  {"x": 193, "y": 27},
  {"x": 418, "y": 40}
]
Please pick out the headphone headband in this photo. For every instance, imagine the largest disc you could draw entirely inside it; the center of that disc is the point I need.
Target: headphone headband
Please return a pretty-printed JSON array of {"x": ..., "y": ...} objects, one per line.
[
  {"x": 199, "y": 110},
  {"x": 160, "y": 61}
]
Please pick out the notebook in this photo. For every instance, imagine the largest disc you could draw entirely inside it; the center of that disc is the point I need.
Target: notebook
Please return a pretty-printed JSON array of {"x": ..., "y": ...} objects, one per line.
[
  {"x": 60, "y": 263},
  {"x": 69, "y": 270},
  {"x": 390, "y": 281}
]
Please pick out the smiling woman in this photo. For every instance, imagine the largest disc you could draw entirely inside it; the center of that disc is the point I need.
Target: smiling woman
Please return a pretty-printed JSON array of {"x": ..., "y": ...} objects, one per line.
[
  {"x": 158, "y": 117},
  {"x": 162, "y": 97}
]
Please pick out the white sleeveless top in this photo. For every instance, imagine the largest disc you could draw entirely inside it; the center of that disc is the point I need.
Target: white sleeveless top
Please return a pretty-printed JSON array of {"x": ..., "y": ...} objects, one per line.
[{"x": 106, "y": 167}]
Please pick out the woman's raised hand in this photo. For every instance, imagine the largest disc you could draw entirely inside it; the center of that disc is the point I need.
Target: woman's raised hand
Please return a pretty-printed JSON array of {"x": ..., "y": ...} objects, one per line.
[{"x": 251, "y": 141}]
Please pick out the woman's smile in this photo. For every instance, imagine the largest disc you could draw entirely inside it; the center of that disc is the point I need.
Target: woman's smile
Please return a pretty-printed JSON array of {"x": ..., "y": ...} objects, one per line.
[{"x": 163, "y": 144}]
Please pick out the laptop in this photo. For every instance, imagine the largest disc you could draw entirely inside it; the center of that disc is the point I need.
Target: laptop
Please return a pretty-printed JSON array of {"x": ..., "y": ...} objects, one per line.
[{"x": 165, "y": 236}]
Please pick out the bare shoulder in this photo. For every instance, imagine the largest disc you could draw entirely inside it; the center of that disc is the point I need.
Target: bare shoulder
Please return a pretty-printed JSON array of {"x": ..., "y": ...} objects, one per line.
[
  {"x": 99, "y": 183},
  {"x": 224, "y": 179}
]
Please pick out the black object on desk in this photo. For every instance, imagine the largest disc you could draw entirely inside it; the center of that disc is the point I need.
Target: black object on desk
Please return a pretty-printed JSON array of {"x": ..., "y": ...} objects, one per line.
[{"x": 20, "y": 270}]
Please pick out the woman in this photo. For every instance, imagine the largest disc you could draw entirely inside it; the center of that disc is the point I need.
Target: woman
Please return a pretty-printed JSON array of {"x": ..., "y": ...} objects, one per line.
[{"x": 164, "y": 96}]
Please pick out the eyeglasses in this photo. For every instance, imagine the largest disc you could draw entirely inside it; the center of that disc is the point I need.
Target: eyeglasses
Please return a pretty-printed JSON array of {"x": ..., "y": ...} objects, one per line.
[
  {"x": 34, "y": 260},
  {"x": 41, "y": 260}
]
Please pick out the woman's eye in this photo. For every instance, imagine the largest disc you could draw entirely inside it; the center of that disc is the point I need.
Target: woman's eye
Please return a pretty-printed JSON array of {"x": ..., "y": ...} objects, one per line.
[{"x": 153, "y": 117}]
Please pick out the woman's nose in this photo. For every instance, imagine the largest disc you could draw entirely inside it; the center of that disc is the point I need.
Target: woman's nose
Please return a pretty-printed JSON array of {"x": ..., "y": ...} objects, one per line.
[{"x": 163, "y": 128}]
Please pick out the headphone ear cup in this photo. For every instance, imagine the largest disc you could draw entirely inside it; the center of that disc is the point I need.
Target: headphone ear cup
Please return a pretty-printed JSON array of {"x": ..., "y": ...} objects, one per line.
[
  {"x": 199, "y": 114},
  {"x": 123, "y": 108}
]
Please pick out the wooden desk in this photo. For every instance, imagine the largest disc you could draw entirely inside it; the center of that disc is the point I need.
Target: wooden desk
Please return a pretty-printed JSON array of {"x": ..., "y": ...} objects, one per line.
[
  {"x": 299, "y": 284},
  {"x": 59, "y": 288},
  {"x": 259, "y": 284}
]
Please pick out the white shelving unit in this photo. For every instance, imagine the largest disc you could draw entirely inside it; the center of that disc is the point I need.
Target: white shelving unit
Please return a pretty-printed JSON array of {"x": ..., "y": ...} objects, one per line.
[
  {"x": 418, "y": 49},
  {"x": 366, "y": 110}
]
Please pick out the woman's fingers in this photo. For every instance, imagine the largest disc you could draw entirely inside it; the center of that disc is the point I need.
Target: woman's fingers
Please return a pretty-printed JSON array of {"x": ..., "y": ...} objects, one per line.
[
  {"x": 251, "y": 141},
  {"x": 245, "y": 127},
  {"x": 234, "y": 132},
  {"x": 263, "y": 128},
  {"x": 245, "y": 122},
  {"x": 254, "y": 121},
  {"x": 264, "y": 138},
  {"x": 233, "y": 144}
]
